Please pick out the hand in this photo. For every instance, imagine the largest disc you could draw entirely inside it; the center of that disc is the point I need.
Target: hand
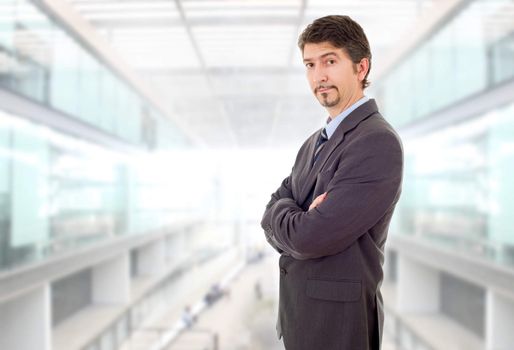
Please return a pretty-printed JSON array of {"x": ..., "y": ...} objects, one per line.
[{"x": 318, "y": 200}]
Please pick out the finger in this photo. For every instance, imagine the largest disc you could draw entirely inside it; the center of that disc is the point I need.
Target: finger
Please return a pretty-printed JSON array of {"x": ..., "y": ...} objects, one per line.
[{"x": 314, "y": 204}]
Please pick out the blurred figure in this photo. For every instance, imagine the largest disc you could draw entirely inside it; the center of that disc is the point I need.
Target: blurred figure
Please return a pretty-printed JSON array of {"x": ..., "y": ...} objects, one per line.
[
  {"x": 187, "y": 317},
  {"x": 329, "y": 219},
  {"x": 214, "y": 294},
  {"x": 258, "y": 290}
]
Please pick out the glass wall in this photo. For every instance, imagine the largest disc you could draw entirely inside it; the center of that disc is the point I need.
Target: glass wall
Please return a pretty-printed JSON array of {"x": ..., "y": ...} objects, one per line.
[
  {"x": 458, "y": 186},
  {"x": 456, "y": 181},
  {"x": 468, "y": 55},
  {"x": 58, "y": 193},
  {"x": 40, "y": 60}
]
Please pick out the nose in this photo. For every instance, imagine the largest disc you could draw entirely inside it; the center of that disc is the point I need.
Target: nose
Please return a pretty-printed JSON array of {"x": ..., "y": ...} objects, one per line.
[{"x": 319, "y": 75}]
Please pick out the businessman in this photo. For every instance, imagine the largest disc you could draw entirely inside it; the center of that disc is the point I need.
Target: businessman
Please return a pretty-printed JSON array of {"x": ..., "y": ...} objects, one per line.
[{"x": 329, "y": 218}]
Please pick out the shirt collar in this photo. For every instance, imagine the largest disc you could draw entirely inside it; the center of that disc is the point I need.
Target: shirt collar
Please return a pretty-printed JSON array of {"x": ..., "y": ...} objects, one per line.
[{"x": 332, "y": 124}]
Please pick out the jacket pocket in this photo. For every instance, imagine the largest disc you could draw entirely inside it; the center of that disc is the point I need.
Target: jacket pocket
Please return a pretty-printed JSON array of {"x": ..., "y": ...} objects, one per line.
[{"x": 334, "y": 290}]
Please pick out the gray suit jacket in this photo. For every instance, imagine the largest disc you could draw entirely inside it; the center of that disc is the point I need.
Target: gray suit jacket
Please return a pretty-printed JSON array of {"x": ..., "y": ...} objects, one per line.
[{"x": 331, "y": 256}]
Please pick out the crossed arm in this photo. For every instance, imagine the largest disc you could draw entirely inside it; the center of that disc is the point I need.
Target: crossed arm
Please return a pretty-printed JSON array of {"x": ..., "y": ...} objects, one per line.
[
  {"x": 363, "y": 189},
  {"x": 284, "y": 191}
]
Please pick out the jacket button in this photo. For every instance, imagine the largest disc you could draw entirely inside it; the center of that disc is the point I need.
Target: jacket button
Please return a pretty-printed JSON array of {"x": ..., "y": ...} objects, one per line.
[{"x": 283, "y": 271}]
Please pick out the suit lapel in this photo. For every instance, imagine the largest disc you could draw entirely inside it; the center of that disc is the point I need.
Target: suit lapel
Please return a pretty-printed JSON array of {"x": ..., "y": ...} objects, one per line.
[
  {"x": 308, "y": 174},
  {"x": 304, "y": 163}
]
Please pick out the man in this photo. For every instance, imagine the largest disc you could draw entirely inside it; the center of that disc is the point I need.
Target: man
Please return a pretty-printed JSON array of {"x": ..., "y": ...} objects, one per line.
[{"x": 329, "y": 218}]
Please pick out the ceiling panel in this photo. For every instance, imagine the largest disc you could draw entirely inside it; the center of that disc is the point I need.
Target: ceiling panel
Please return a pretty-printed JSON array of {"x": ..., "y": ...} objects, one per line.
[
  {"x": 240, "y": 46},
  {"x": 231, "y": 68}
]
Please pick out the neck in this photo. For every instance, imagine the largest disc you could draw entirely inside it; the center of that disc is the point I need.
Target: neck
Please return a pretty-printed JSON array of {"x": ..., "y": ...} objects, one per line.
[{"x": 336, "y": 110}]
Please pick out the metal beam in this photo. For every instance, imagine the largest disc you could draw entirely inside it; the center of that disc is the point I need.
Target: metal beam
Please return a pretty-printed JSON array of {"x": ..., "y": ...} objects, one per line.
[
  {"x": 203, "y": 65},
  {"x": 70, "y": 20},
  {"x": 290, "y": 70},
  {"x": 427, "y": 26},
  {"x": 19, "y": 106},
  {"x": 221, "y": 21},
  {"x": 471, "y": 107},
  {"x": 298, "y": 24},
  {"x": 223, "y": 71},
  {"x": 121, "y": 2}
]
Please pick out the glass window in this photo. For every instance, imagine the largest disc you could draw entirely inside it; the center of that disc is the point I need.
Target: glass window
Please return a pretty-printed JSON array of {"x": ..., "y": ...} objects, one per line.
[
  {"x": 29, "y": 187},
  {"x": 500, "y": 150},
  {"x": 457, "y": 188},
  {"x": 7, "y": 23},
  {"x": 470, "y": 53},
  {"x": 5, "y": 194},
  {"x": 502, "y": 54},
  {"x": 33, "y": 50},
  {"x": 421, "y": 83},
  {"x": 108, "y": 100},
  {"x": 42, "y": 171},
  {"x": 41, "y": 60},
  {"x": 442, "y": 68},
  {"x": 42, "y": 174},
  {"x": 7, "y": 59},
  {"x": 64, "y": 82},
  {"x": 89, "y": 89}
]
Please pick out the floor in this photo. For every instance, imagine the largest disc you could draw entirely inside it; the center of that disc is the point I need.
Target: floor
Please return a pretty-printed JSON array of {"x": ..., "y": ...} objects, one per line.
[{"x": 242, "y": 320}]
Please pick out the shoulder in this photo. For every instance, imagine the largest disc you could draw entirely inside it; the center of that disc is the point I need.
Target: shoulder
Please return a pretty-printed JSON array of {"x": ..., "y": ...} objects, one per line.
[
  {"x": 373, "y": 141},
  {"x": 377, "y": 130}
]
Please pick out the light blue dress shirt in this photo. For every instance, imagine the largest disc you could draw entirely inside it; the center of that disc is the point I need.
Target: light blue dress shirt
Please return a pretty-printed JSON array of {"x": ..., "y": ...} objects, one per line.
[{"x": 334, "y": 123}]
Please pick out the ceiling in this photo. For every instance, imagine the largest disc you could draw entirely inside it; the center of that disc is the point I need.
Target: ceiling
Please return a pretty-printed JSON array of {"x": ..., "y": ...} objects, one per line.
[{"x": 230, "y": 69}]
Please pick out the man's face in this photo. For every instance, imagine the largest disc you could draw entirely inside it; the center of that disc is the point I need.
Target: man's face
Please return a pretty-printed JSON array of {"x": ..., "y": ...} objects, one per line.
[{"x": 334, "y": 79}]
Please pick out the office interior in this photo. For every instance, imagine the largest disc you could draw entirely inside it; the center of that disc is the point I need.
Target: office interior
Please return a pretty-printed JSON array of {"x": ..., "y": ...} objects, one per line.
[{"x": 140, "y": 142}]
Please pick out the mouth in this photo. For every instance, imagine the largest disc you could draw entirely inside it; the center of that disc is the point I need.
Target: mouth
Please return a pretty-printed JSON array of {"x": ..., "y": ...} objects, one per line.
[{"x": 324, "y": 89}]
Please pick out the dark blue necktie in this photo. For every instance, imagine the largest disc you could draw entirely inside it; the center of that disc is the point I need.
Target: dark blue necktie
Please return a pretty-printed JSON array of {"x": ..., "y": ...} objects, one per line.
[{"x": 319, "y": 145}]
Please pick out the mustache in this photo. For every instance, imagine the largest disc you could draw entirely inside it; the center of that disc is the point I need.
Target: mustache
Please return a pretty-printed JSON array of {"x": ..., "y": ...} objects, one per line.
[{"x": 324, "y": 87}]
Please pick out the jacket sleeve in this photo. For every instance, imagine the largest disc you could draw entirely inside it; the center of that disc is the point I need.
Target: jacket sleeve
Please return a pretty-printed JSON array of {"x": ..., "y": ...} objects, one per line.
[
  {"x": 364, "y": 187},
  {"x": 283, "y": 192}
]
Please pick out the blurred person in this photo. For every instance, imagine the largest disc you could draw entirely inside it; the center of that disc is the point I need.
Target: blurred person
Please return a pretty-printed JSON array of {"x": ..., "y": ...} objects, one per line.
[
  {"x": 257, "y": 288},
  {"x": 187, "y": 317},
  {"x": 214, "y": 294},
  {"x": 329, "y": 218}
]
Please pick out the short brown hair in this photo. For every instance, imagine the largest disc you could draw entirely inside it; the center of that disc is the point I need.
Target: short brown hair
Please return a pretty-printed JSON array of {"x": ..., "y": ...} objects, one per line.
[{"x": 342, "y": 32}]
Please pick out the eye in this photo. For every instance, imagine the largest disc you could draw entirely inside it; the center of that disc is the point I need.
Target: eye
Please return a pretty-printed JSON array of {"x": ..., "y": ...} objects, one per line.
[
  {"x": 331, "y": 61},
  {"x": 309, "y": 65}
]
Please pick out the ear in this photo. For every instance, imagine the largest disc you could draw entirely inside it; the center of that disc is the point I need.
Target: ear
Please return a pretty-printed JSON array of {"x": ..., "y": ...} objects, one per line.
[{"x": 362, "y": 68}]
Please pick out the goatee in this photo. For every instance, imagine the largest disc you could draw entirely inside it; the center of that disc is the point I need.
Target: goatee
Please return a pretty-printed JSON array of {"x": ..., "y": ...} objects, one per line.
[{"x": 326, "y": 103}]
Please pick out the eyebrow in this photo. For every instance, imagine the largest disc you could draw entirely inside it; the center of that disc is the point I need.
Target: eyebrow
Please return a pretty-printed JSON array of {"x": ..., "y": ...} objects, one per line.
[{"x": 322, "y": 56}]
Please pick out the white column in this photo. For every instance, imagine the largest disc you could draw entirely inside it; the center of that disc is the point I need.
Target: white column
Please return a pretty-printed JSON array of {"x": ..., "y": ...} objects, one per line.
[
  {"x": 25, "y": 321},
  {"x": 418, "y": 286},
  {"x": 151, "y": 258},
  {"x": 499, "y": 333},
  {"x": 111, "y": 281}
]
